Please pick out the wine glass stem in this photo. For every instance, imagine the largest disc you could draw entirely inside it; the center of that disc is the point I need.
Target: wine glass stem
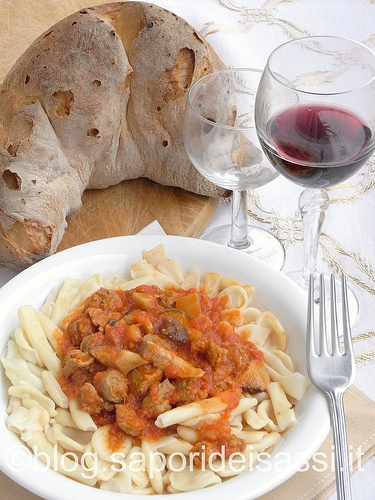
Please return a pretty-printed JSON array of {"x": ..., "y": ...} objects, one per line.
[
  {"x": 313, "y": 204},
  {"x": 239, "y": 237}
]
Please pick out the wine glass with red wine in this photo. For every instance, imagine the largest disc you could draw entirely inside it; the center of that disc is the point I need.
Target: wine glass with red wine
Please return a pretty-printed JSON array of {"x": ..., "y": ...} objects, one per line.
[{"x": 315, "y": 118}]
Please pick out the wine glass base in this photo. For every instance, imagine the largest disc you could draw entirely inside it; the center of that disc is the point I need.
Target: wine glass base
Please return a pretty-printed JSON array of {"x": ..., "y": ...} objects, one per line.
[
  {"x": 352, "y": 298},
  {"x": 264, "y": 245}
]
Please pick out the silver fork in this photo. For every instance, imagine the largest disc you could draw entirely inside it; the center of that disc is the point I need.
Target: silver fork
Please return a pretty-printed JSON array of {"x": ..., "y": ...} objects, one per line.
[{"x": 332, "y": 370}]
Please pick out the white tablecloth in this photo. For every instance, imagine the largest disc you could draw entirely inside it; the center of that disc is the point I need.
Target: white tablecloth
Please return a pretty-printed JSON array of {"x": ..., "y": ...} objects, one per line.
[{"x": 244, "y": 32}]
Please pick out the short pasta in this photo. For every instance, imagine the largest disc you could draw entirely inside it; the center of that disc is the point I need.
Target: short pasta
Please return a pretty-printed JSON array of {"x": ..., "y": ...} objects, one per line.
[{"x": 152, "y": 383}]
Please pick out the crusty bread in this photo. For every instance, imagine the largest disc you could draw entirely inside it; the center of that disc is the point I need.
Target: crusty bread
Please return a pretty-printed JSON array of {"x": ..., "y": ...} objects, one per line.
[{"x": 97, "y": 99}]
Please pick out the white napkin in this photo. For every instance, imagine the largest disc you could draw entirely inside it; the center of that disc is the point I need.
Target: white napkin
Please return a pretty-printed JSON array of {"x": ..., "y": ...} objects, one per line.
[{"x": 152, "y": 228}]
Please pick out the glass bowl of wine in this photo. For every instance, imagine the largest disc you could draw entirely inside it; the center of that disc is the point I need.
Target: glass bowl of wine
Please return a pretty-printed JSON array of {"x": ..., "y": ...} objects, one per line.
[{"x": 315, "y": 119}]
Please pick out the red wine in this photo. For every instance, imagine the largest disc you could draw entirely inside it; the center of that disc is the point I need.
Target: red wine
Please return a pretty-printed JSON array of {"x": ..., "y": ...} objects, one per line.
[{"x": 317, "y": 146}]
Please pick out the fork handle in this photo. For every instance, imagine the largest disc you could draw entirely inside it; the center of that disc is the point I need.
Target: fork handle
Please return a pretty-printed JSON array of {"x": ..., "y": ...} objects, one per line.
[{"x": 341, "y": 445}]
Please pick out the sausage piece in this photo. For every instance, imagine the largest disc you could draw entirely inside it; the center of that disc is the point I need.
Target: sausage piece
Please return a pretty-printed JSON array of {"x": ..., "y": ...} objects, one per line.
[
  {"x": 74, "y": 360},
  {"x": 112, "y": 385},
  {"x": 128, "y": 420}
]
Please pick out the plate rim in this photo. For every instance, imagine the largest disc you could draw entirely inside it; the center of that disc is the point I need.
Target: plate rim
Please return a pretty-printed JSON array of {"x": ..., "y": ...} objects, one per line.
[{"x": 104, "y": 247}]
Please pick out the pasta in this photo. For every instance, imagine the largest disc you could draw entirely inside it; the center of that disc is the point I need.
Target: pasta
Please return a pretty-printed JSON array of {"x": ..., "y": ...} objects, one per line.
[{"x": 153, "y": 384}]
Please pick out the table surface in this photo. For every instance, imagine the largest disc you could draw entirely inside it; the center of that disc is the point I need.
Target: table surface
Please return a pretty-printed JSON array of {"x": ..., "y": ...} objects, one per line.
[{"x": 244, "y": 32}]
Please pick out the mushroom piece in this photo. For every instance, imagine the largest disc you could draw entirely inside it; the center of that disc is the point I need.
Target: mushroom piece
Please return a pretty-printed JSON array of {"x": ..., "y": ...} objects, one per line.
[{"x": 160, "y": 353}]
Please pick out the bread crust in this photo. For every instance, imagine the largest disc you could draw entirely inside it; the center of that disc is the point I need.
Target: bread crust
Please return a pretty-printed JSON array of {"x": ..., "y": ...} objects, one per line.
[{"x": 97, "y": 99}]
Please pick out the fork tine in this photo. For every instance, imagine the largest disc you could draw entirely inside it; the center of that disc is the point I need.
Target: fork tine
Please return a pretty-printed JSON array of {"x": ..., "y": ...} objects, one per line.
[
  {"x": 310, "y": 342},
  {"x": 334, "y": 326},
  {"x": 322, "y": 349},
  {"x": 348, "y": 345}
]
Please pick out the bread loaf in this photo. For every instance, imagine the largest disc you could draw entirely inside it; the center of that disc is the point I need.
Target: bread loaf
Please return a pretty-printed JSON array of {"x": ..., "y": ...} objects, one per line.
[{"x": 97, "y": 99}]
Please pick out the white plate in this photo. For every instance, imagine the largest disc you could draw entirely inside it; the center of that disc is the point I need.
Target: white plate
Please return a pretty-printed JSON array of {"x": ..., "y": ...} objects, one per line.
[{"x": 113, "y": 256}]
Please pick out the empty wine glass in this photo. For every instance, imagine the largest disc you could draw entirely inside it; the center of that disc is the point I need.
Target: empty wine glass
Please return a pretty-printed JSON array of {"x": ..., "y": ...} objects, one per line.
[
  {"x": 315, "y": 117},
  {"x": 222, "y": 143}
]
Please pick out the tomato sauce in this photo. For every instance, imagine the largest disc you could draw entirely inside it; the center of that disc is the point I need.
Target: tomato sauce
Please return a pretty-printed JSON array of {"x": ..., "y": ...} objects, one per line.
[{"x": 111, "y": 322}]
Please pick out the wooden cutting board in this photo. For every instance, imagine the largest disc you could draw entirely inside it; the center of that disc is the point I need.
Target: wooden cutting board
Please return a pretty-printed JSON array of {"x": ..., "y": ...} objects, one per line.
[
  {"x": 131, "y": 205},
  {"x": 118, "y": 210}
]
